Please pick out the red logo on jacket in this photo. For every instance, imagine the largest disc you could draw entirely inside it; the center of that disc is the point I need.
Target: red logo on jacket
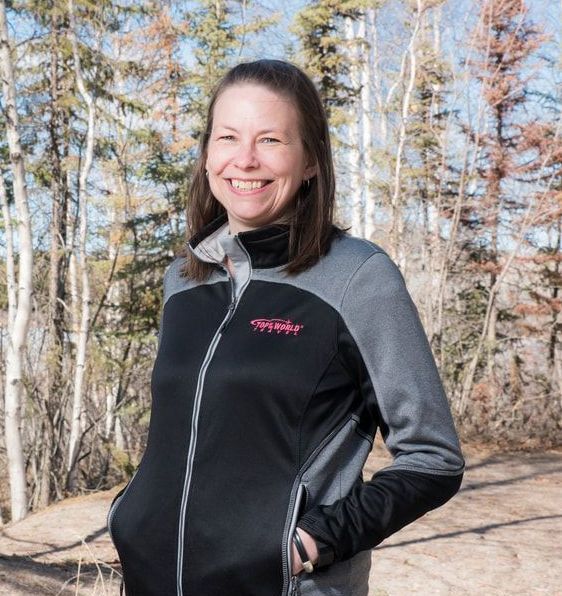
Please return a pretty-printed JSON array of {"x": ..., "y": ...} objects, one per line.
[{"x": 276, "y": 325}]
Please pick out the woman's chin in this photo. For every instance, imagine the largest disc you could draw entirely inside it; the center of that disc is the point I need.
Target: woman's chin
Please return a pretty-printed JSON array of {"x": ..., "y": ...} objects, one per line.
[{"x": 250, "y": 220}]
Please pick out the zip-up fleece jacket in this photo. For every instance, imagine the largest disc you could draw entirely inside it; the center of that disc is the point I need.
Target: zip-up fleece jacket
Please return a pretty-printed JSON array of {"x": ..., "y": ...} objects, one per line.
[{"x": 267, "y": 392}]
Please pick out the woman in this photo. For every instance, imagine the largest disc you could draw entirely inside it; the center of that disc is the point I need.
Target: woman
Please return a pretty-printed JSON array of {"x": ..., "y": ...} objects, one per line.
[{"x": 284, "y": 344}]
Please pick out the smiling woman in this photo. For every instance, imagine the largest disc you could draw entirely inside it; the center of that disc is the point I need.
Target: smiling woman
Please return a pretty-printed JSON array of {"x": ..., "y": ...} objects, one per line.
[
  {"x": 255, "y": 157},
  {"x": 270, "y": 115},
  {"x": 285, "y": 344}
]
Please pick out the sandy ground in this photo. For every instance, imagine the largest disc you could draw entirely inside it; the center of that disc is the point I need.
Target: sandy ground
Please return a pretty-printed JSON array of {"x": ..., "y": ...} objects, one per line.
[{"x": 500, "y": 535}]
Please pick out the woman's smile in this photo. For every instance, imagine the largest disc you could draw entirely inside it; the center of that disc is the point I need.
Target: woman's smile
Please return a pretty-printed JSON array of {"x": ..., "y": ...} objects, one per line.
[
  {"x": 256, "y": 161},
  {"x": 246, "y": 187}
]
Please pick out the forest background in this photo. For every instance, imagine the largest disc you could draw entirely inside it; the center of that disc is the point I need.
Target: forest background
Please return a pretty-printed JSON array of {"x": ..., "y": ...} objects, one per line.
[{"x": 445, "y": 117}]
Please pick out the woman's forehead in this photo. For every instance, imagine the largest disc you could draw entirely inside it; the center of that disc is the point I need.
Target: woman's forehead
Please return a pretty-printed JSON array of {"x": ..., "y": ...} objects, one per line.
[{"x": 251, "y": 103}]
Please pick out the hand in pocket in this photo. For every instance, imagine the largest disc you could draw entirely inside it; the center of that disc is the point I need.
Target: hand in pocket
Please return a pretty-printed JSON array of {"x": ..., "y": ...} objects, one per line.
[{"x": 311, "y": 550}]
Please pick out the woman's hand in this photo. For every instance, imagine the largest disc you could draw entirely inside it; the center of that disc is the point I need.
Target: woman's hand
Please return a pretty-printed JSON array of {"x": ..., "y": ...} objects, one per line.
[{"x": 310, "y": 547}]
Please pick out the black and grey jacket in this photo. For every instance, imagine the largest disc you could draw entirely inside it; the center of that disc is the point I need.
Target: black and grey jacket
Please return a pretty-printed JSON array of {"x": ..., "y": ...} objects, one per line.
[{"x": 267, "y": 392}]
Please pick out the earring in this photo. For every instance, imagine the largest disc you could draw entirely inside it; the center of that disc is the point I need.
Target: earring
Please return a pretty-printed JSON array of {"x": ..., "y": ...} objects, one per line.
[
  {"x": 207, "y": 173},
  {"x": 306, "y": 184}
]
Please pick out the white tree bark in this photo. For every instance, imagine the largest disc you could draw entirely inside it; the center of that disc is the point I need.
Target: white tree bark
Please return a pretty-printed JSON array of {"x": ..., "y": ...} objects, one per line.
[
  {"x": 119, "y": 436},
  {"x": 81, "y": 260},
  {"x": 396, "y": 233},
  {"x": 354, "y": 142},
  {"x": 113, "y": 297},
  {"x": 432, "y": 245},
  {"x": 19, "y": 300},
  {"x": 368, "y": 30},
  {"x": 376, "y": 79}
]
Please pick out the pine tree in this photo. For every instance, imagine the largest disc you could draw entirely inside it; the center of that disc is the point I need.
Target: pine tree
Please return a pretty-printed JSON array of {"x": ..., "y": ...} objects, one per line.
[{"x": 502, "y": 204}]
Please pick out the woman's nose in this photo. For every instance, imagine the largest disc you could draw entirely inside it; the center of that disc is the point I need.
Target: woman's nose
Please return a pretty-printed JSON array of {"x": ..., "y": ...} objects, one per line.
[{"x": 246, "y": 156}]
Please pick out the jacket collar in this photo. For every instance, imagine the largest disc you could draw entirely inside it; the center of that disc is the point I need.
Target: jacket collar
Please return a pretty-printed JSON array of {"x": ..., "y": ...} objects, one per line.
[{"x": 266, "y": 247}]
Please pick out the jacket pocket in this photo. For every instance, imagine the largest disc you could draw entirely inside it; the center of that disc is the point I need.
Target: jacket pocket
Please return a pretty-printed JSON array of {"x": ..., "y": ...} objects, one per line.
[
  {"x": 334, "y": 467},
  {"x": 299, "y": 507}
]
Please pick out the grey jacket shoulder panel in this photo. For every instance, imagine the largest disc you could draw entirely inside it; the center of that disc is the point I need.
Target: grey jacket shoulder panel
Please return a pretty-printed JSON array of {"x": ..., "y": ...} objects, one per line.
[
  {"x": 175, "y": 282},
  {"x": 329, "y": 277}
]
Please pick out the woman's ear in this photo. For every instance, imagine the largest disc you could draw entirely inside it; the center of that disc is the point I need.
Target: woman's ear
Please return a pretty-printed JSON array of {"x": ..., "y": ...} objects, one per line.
[{"x": 310, "y": 172}]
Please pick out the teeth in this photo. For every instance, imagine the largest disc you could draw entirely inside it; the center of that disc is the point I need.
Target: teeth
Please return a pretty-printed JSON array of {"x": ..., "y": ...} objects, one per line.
[{"x": 248, "y": 184}]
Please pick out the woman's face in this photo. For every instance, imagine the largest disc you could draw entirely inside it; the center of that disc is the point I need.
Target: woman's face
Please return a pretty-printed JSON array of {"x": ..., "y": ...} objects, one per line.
[{"x": 255, "y": 157}]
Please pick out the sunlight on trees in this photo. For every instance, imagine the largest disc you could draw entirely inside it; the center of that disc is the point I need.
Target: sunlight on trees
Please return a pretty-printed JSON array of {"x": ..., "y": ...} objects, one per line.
[{"x": 446, "y": 124}]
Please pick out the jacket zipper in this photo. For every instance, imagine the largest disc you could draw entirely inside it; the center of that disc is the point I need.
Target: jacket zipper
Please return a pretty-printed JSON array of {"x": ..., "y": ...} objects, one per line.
[
  {"x": 295, "y": 505},
  {"x": 234, "y": 301},
  {"x": 292, "y": 580}
]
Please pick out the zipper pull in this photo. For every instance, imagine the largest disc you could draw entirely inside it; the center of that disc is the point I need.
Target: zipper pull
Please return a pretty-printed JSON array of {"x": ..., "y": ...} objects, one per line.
[{"x": 229, "y": 313}]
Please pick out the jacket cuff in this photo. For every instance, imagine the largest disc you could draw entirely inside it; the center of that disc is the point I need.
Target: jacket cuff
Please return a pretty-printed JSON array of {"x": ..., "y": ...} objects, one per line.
[
  {"x": 374, "y": 510},
  {"x": 326, "y": 552}
]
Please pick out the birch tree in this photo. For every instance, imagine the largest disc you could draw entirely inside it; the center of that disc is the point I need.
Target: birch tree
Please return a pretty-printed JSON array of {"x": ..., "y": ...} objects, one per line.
[
  {"x": 19, "y": 282},
  {"x": 368, "y": 30},
  {"x": 354, "y": 146},
  {"x": 409, "y": 66}
]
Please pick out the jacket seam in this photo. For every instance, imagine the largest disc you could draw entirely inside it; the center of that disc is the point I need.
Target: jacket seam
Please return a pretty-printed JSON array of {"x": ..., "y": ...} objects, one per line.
[
  {"x": 308, "y": 401},
  {"x": 352, "y": 277},
  {"x": 419, "y": 470},
  {"x": 170, "y": 295}
]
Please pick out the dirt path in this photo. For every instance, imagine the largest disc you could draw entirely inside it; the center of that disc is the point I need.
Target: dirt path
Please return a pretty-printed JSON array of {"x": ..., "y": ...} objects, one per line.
[{"x": 500, "y": 535}]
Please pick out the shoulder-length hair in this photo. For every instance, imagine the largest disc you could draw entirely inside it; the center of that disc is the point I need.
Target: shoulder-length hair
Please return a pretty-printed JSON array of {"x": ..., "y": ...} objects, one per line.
[{"x": 310, "y": 219}]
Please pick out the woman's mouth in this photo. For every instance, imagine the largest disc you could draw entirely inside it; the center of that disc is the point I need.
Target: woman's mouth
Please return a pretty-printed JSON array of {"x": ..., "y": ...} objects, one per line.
[{"x": 248, "y": 185}]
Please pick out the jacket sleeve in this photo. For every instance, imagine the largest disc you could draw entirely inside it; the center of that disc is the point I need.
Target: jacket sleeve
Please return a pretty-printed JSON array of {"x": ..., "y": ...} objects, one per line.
[{"x": 405, "y": 394}]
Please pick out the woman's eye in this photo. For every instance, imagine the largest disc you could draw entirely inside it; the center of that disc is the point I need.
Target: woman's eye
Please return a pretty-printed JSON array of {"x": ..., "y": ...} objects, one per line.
[
  {"x": 269, "y": 140},
  {"x": 226, "y": 138}
]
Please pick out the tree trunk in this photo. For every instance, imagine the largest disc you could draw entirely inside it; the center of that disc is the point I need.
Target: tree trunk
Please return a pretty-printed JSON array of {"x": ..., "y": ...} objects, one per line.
[
  {"x": 397, "y": 222},
  {"x": 555, "y": 324},
  {"x": 52, "y": 398},
  {"x": 367, "y": 64},
  {"x": 354, "y": 149},
  {"x": 82, "y": 266},
  {"x": 19, "y": 306}
]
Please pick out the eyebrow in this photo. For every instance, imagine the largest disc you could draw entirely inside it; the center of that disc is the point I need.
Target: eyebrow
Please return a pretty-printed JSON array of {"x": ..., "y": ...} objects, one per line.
[{"x": 260, "y": 132}]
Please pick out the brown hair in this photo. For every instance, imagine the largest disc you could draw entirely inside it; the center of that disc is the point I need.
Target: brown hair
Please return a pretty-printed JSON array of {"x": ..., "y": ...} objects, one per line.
[{"x": 311, "y": 218}]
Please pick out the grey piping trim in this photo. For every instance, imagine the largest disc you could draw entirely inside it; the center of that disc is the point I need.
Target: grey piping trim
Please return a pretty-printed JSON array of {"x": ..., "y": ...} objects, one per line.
[
  {"x": 310, "y": 459},
  {"x": 191, "y": 453},
  {"x": 113, "y": 508},
  {"x": 195, "y": 420}
]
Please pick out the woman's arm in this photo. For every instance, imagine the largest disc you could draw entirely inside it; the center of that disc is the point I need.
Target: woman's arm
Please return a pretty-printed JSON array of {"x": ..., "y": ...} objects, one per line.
[{"x": 383, "y": 342}]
